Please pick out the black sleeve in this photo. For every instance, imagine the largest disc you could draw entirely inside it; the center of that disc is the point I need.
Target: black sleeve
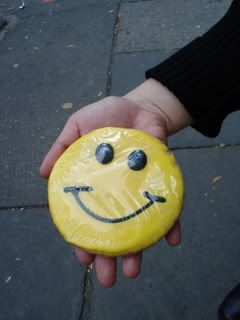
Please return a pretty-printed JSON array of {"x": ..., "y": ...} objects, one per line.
[{"x": 205, "y": 75}]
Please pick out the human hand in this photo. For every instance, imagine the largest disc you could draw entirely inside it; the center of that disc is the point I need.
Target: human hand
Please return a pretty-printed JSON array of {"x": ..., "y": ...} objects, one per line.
[{"x": 134, "y": 110}]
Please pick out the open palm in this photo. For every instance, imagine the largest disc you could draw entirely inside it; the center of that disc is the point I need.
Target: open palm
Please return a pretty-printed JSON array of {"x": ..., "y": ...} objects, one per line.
[{"x": 110, "y": 112}]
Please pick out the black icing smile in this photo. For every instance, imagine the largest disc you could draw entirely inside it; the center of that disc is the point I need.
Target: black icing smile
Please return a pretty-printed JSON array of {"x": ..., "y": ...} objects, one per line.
[{"x": 75, "y": 192}]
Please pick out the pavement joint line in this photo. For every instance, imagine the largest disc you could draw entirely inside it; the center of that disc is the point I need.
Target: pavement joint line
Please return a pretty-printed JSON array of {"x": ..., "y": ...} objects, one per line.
[
  {"x": 43, "y": 14},
  {"x": 147, "y": 51},
  {"x": 23, "y": 207},
  {"x": 215, "y": 146},
  {"x": 87, "y": 291},
  {"x": 45, "y": 206},
  {"x": 114, "y": 40}
]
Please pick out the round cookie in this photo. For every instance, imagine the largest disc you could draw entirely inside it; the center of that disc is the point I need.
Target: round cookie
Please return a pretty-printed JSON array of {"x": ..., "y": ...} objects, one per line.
[{"x": 115, "y": 191}]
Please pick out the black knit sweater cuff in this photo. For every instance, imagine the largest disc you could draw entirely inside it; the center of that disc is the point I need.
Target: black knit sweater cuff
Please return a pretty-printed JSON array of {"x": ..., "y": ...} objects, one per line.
[{"x": 205, "y": 75}]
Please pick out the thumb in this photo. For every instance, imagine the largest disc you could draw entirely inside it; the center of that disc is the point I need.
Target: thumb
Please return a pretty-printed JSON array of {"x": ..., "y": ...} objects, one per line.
[{"x": 156, "y": 131}]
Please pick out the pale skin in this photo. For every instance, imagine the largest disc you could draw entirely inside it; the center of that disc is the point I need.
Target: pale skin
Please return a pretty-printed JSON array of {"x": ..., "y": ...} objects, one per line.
[{"x": 150, "y": 107}]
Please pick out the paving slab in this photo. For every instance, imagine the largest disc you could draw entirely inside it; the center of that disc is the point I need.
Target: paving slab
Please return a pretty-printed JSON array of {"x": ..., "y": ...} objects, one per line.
[
  {"x": 128, "y": 71},
  {"x": 40, "y": 278},
  {"x": 187, "y": 282},
  {"x": 33, "y": 7},
  {"x": 165, "y": 24},
  {"x": 46, "y": 62}
]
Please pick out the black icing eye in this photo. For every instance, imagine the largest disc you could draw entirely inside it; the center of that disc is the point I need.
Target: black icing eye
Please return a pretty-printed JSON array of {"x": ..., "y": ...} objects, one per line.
[
  {"x": 137, "y": 160},
  {"x": 104, "y": 153}
]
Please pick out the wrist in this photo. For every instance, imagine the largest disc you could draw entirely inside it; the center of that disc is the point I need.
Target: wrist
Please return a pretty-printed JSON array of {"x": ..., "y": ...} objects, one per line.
[{"x": 152, "y": 95}]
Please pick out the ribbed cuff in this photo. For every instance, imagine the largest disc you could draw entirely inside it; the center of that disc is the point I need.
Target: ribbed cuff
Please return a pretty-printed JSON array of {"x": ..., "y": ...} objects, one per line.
[{"x": 205, "y": 75}]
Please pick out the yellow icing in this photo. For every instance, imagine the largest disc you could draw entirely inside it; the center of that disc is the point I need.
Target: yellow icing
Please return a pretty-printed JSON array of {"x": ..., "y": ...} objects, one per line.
[{"x": 116, "y": 192}]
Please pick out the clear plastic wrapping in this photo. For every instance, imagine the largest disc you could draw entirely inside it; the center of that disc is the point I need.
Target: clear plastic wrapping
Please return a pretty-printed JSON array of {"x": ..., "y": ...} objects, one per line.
[{"x": 115, "y": 191}]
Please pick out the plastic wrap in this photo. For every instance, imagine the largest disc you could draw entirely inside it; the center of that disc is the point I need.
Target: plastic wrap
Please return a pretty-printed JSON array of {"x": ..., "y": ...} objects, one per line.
[{"x": 115, "y": 191}]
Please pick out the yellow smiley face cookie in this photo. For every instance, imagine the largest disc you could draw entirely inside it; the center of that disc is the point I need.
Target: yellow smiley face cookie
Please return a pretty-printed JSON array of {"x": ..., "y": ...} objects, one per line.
[{"x": 115, "y": 191}]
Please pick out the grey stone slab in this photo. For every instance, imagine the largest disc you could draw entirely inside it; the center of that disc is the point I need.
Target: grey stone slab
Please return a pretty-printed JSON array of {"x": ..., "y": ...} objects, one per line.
[
  {"x": 33, "y": 8},
  {"x": 124, "y": 1},
  {"x": 189, "y": 137},
  {"x": 46, "y": 62},
  {"x": 165, "y": 24},
  {"x": 40, "y": 278},
  {"x": 128, "y": 71},
  {"x": 187, "y": 282}
]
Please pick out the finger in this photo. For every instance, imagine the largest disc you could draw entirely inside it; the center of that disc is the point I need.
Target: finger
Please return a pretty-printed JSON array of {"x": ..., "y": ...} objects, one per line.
[
  {"x": 106, "y": 270},
  {"x": 132, "y": 265},
  {"x": 69, "y": 134},
  {"x": 173, "y": 237},
  {"x": 83, "y": 256}
]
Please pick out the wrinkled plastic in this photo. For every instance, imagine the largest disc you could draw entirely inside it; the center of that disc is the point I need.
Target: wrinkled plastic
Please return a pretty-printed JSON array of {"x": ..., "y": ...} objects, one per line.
[{"x": 115, "y": 191}]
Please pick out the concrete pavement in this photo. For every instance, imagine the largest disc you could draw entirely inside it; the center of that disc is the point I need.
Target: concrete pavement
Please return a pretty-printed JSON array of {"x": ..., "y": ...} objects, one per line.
[{"x": 77, "y": 52}]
